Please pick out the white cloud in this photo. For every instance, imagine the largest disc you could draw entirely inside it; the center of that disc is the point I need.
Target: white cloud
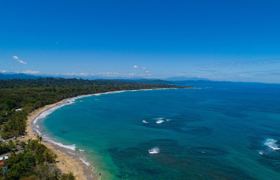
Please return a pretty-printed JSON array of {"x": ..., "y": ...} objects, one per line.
[
  {"x": 24, "y": 71},
  {"x": 15, "y": 57},
  {"x": 139, "y": 67},
  {"x": 19, "y": 60},
  {"x": 109, "y": 74},
  {"x": 140, "y": 71}
]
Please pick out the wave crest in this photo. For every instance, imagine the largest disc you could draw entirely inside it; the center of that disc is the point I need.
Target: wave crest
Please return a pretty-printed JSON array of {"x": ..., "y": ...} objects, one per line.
[
  {"x": 85, "y": 162},
  {"x": 71, "y": 147},
  {"x": 154, "y": 150},
  {"x": 272, "y": 144}
]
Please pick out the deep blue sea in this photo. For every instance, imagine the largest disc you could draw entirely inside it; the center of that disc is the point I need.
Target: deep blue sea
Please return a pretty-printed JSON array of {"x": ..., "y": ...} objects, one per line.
[{"x": 212, "y": 131}]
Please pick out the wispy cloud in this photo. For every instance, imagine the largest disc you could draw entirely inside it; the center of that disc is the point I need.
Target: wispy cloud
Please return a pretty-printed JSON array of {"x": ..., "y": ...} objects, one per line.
[
  {"x": 140, "y": 71},
  {"x": 30, "y": 72},
  {"x": 22, "y": 72},
  {"x": 19, "y": 60},
  {"x": 139, "y": 67}
]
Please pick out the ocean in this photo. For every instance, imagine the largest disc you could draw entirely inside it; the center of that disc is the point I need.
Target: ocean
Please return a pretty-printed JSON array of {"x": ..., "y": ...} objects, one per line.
[{"x": 212, "y": 131}]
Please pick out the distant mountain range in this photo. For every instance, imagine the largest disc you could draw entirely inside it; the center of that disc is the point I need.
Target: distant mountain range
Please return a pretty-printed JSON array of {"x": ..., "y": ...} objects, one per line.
[
  {"x": 184, "y": 78},
  {"x": 31, "y": 76},
  {"x": 178, "y": 80},
  {"x": 17, "y": 76},
  {"x": 9, "y": 76}
]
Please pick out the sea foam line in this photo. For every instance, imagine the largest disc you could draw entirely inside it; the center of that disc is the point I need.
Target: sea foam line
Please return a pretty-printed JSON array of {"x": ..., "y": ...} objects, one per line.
[
  {"x": 85, "y": 162},
  {"x": 71, "y": 147},
  {"x": 46, "y": 113}
]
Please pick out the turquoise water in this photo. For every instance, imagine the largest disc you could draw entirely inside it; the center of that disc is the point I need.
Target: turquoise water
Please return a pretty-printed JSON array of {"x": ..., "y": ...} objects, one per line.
[{"x": 224, "y": 131}]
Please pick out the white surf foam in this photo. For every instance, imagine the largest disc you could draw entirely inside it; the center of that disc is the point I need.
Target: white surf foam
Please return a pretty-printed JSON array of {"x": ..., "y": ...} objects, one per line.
[
  {"x": 85, "y": 162},
  {"x": 272, "y": 144},
  {"x": 46, "y": 113},
  {"x": 110, "y": 92},
  {"x": 38, "y": 132},
  {"x": 154, "y": 150},
  {"x": 160, "y": 120},
  {"x": 145, "y": 122},
  {"x": 71, "y": 147},
  {"x": 122, "y": 91}
]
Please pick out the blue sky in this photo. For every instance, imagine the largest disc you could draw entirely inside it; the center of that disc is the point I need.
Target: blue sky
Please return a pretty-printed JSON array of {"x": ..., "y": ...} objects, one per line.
[{"x": 220, "y": 40}]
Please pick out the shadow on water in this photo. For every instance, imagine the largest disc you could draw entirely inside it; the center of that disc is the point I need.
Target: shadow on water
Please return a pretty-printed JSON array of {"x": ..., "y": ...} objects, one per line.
[
  {"x": 174, "y": 161},
  {"x": 206, "y": 151},
  {"x": 197, "y": 130},
  {"x": 63, "y": 131}
]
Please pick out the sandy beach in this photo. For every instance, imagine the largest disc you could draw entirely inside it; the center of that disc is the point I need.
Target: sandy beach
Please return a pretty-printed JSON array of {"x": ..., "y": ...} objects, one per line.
[{"x": 67, "y": 161}]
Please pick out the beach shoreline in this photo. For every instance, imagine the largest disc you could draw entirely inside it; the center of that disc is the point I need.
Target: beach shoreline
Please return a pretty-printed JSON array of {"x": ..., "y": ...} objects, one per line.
[{"x": 68, "y": 160}]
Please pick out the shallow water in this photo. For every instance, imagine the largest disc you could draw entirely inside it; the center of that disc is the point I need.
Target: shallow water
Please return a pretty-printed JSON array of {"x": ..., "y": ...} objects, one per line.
[{"x": 219, "y": 131}]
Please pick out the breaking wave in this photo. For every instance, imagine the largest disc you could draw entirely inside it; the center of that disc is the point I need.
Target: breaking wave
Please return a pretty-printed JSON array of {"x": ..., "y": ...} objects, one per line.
[
  {"x": 145, "y": 122},
  {"x": 85, "y": 162},
  {"x": 71, "y": 147},
  {"x": 160, "y": 120},
  {"x": 154, "y": 150},
  {"x": 272, "y": 144},
  {"x": 156, "y": 121}
]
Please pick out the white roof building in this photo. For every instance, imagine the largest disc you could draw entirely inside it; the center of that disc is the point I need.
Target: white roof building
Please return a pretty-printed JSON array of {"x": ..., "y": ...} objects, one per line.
[{"x": 2, "y": 158}]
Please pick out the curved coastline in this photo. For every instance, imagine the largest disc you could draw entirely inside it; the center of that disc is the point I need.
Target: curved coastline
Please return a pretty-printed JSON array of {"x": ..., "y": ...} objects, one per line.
[{"x": 69, "y": 158}]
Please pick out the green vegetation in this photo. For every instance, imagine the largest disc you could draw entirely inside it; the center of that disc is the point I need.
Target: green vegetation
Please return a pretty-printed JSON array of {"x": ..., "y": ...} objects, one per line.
[
  {"x": 32, "y": 160},
  {"x": 6, "y": 147}
]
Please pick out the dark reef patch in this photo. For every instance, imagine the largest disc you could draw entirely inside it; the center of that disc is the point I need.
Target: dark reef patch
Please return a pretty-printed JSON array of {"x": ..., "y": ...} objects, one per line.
[
  {"x": 206, "y": 151},
  {"x": 63, "y": 131},
  {"x": 176, "y": 124},
  {"x": 173, "y": 162},
  {"x": 273, "y": 164},
  {"x": 231, "y": 111},
  {"x": 197, "y": 130}
]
